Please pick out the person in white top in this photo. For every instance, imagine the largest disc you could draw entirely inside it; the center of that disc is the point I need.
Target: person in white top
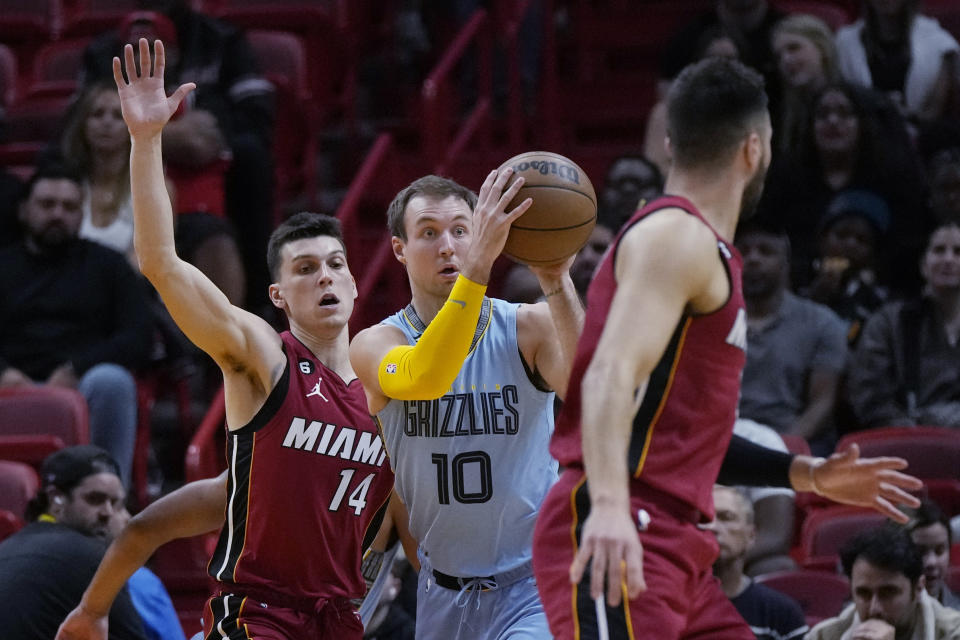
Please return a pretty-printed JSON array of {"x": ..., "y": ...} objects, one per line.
[{"x": 897, "y": 51}]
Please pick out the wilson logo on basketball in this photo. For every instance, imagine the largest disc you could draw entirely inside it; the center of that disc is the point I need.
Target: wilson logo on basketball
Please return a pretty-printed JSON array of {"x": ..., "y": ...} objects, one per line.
[{"x": 545, "y": 167}]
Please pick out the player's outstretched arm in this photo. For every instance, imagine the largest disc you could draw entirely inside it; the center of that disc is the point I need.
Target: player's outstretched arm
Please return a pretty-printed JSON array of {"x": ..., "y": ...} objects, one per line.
[
  {"x": 228, "y": 334},
  {"x": 390, "y": 368},
  {"x": 845, "y": 477},
  {"x": 664, "y": 263},
  {"x": 191, "y": 510},
  {"x": 550, "y": 331}
]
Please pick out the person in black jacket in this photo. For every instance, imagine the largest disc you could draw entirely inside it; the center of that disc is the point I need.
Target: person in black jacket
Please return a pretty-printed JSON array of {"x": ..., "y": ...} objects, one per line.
[
  {"x": 73, "y": 313},
  {"x": 45, "y": 566}
]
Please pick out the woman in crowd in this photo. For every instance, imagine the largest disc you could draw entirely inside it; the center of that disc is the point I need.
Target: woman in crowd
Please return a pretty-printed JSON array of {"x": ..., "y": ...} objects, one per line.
[{"x": 807, "y": 62}]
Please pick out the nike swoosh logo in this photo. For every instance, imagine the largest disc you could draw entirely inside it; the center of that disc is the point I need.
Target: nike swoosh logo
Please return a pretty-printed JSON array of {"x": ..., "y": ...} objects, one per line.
[{"x": 463, "y": 305}]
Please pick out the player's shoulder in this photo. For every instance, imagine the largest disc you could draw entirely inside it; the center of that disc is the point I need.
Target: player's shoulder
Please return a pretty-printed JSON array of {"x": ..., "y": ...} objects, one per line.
[{"x": 672, "y": 235}]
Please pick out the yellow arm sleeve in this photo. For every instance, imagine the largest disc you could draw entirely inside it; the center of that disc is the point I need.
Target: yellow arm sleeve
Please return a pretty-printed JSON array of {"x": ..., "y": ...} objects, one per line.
[{"x": 426, "y": 370}]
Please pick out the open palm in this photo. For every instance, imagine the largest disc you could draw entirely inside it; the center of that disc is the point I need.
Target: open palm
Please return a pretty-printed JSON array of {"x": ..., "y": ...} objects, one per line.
[{"x": 143, "y": 99}]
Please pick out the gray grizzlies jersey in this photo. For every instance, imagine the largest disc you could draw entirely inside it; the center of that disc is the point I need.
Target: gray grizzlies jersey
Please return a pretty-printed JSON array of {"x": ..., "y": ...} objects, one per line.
[{"x": 474, "y": 465}]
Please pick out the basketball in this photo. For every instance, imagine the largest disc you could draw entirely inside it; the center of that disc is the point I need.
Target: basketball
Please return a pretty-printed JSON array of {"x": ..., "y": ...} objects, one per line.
[{"x": 563, "y": 213}]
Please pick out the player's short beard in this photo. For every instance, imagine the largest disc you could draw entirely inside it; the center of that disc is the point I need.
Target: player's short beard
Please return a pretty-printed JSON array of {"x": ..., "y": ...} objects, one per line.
[{"x": 751, "y": 194}]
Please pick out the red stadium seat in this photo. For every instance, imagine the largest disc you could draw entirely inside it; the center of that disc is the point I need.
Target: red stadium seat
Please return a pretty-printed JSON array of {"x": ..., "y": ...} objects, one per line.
[
  {"x": 29, "y": 21},
  {"x": 282, "y": 58},
  {"x": 820, "y": 594},
  {"x": 8, "y": 76},
  {"x": 150, "y": 386},
  {"x": 39, "y": 420},
  {"x": 204, "y": 457},
  {"x": 92, "y": 17},
  {"x": 18, "y": 484},
  {"x": 932, "y": 452},
  {"x": 56, "y": 68},
  {"x": 825, "y": 531}
]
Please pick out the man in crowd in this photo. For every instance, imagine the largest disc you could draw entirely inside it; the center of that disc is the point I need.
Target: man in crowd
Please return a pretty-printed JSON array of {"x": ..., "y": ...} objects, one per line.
[
  {"x": 770, "y": 614},
  {"x": 45, "y": 566},
  {"x": 73, "y": 313},
  {"x": 889, "y": 601}
]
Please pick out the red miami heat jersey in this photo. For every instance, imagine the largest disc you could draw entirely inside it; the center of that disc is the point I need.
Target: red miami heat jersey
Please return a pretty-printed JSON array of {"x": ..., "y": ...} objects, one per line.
[
  {"x": 685, "y": 420},
  {"x": 306, "y": 478}
]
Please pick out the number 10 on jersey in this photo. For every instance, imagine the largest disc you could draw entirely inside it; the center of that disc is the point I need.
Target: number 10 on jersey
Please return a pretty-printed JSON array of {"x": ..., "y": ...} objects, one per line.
[{"x": 477, "y": 464}]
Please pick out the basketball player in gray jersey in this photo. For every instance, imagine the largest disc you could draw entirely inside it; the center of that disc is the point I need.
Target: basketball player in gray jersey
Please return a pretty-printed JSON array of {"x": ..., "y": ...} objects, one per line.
[{"x": 463, "y": 387}]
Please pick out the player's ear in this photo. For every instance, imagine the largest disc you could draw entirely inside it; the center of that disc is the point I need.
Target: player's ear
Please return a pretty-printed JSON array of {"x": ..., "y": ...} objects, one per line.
[
  {"x": 276, "y": 296},
  {"x": 398, "y": 248},
  {"x": 668, "y": 147}
]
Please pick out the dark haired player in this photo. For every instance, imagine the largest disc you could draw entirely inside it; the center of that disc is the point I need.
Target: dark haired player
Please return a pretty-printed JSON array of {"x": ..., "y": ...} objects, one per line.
[
  {"x": 307, "y": 472},
  {"x": 655, "y": 387}
]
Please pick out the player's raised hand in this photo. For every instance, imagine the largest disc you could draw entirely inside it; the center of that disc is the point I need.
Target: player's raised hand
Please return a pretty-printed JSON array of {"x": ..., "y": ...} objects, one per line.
[
  {"x": 81, "y": 625},
  {"x": 491, "y": 223},
  {"x": 611, "y": 547},
  {"x": 875, "y": 483},
  {"x": 143, "y": 99}
]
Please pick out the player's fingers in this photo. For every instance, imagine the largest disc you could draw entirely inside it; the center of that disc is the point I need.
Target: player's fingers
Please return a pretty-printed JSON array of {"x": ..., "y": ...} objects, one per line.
[
  {"x": 635, "y": 582},
  {"x": 883, "y": 506},
  {"x": 579, "y": 564},
  {"x": 485, "y": 187},
  {"x": 144, "y": 58},
  {"x": 181, "y": 93},
  {"x": 519, "y": 210},
  {"x": 896, "y": 495},
  {"x": 510, "y": 193},
  {"x": 159, "y": 59},
  {"x": 614, "y": 578},
  {"x": 597, "y": 569},
  {"x": 903, "y": 480},
  {"x": 118, "y": 73},
  {"x": 128, "y": 62},
  {"x": 884, "y": 462}
]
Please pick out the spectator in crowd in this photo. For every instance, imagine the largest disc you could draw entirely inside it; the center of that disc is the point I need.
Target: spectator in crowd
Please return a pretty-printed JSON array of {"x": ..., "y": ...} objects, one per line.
[
  {"x": 906, "y": 369},
  {"x": 233, "y": 105},
  {"x": 149, "y": 596},
  {"x": 773, "y": 509},
  {"x": 846, "y": 278},
  {"x": 889, "y": 601},
  {"x": 901, "y": 53},
  {"x": 96, "y": 142},
  {"x": 45, "y": 567},
  {"x": 748, "y": 23},
  {"x": 796, "y": 349},
  {"x": 806, "y": 62},
  {"x": 944, "y": 177},
  {"x": 770, "y": 614},
  {"x": 854, "y": 139},
  {"x": 73, "y": 313},
  {"x": 630, "y": 180},
  {"x": 930, "y": 532},
  {"x": 710, "y": 41}
]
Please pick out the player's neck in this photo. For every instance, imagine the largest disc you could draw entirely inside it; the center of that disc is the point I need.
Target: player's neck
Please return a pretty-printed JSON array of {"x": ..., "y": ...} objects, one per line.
[
  {"x": 712, "y": 195},
  {"x": 332, "y": 350},
  {"x": 427, "y": 305}
]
